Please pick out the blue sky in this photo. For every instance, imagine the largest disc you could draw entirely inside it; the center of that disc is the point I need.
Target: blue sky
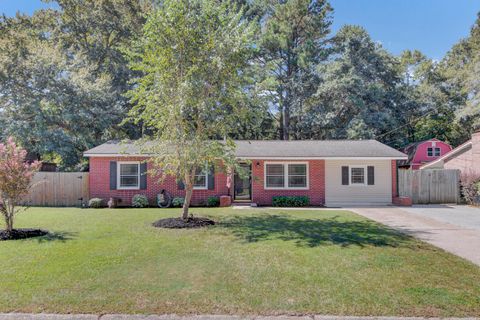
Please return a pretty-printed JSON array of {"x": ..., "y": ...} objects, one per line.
[{"x": 431, "y": 26}]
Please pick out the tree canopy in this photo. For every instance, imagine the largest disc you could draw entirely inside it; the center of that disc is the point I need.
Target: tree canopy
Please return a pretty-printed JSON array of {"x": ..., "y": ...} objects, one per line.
[
  {"x": 193, "y": 58},
  {"x": 65, "y": 72}
]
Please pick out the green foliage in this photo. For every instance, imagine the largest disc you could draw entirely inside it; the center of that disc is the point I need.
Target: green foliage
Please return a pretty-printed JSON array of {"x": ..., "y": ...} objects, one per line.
[
  {"x": 292, "y": 43},
  {"x": 96, "y": 203},
  {"x": 178, "y": 202},
  {"x": 194, "y": 57},
  {"x": 140, "y": 201},
  {"x": 290, "y": 201},
  {"x": 62, "y": 76},
  {"x": 270, "y": 69},
  {"x": 213, "y": 201}
]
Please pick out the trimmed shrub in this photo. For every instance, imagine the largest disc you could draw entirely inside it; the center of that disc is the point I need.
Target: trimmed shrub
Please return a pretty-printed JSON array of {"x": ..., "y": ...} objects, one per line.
[
  {"x": 139, "y": 201},
  {"x": 213, "y": 201},
  {"x": 290, "y": 201},
  {"x": 178, "y": 202},
  {"x": 96, "y": 203}
]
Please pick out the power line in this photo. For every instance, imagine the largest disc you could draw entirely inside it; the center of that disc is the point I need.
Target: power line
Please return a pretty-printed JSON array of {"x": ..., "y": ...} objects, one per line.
[{"x": 415, "y": 120}]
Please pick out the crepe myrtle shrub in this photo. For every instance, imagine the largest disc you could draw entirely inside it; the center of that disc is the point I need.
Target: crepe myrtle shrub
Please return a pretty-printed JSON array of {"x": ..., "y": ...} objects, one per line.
[
  {"x": 16, "y": 176},
  {"x": 96, "y": 203},
  {"x": 470, "y": 187},
  {"x": 290, "y": 201},
  {"x": 213, "y": 201},
  {"x": 139, "y": 201}
]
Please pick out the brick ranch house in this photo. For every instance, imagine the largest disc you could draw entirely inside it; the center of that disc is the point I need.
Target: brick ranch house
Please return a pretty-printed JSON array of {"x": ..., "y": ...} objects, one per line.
[{"x": 331, "y": 173}]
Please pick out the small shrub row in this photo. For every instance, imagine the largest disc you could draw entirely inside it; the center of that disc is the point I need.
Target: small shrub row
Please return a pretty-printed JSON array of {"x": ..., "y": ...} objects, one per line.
[
  {"x": 141, "y": 201},
  {"x": 290, "y": 201}
]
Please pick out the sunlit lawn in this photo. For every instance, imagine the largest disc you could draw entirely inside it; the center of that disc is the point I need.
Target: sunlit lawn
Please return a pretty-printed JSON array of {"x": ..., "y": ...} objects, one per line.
[{"x": 253, "y": 262}]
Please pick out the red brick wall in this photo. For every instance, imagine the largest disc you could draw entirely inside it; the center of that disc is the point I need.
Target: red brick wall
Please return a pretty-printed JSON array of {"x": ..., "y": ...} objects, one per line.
[
  {"x": 394, "y": 179},
  {"x": 100, "y": 183},
  {"x": 316, "y": 192}
]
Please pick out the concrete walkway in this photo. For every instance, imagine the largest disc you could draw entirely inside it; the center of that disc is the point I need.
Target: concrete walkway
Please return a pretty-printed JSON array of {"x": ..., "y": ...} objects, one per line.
[
  {"x": 42, "y": 316},
  {"x": 454, "y": 238}
]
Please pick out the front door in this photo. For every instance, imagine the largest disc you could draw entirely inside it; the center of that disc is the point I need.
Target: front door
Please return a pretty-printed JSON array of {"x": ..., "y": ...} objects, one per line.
[{"x": 243, "y": 186}]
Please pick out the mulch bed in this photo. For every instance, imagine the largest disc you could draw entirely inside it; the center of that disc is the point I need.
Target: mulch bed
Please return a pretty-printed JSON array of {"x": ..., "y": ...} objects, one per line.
[
  {"x": 16, "y": 234},
  {"x": 179, "y": 223}
]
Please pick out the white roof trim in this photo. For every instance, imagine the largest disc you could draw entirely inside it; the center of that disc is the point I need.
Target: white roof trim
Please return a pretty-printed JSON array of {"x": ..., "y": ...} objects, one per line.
[
  {"x": 103, "y": 155},
  {"x": 447, "y": 155}
]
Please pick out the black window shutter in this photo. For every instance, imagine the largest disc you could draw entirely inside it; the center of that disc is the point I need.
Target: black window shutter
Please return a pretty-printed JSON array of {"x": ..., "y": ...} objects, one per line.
[
  {"x": 211, "y": 178},
  {"x": 345, "y": 177},
  {"x": 143, "y": 176},
  {"x": 113, "y": 175},
  {"x": 180, "y": 185},
  {"x": 371, "y": 175}
]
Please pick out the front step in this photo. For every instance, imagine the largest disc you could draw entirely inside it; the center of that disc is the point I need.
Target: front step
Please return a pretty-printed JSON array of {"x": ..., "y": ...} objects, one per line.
[{"x": 243, "y": 204}]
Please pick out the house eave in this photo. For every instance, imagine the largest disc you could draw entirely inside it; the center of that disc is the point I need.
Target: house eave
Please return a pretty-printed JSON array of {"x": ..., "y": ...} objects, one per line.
[{"x": 109, "y": 155}]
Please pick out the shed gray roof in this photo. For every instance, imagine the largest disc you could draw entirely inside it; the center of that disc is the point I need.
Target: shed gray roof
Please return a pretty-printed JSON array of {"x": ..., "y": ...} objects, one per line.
[{"x": 271, "y": 149}]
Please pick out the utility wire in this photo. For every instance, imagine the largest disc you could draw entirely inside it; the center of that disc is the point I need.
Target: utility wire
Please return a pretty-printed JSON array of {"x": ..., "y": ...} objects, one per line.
[{"x": 412, "y": 121}]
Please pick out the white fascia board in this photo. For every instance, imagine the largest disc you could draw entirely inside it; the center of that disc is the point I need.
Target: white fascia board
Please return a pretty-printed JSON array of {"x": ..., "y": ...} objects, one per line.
[
  {"x": 257, "y": 158},
  {"x": 324, "y": 158}
]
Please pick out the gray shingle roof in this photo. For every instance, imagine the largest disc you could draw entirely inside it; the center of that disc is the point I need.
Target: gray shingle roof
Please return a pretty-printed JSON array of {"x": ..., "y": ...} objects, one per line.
[{"x": 265, "y": 149}]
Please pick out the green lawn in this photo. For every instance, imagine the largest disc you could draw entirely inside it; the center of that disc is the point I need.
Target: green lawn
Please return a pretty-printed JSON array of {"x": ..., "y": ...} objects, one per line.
[{"x": 253, "y": 262}]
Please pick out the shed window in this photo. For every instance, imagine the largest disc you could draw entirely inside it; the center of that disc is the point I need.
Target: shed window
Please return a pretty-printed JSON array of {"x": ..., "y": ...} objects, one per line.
[{"x": 433, "y": 152}]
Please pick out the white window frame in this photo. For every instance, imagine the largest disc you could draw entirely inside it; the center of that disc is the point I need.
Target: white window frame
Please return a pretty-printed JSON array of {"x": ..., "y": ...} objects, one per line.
[
  {"x": 439, "y": 152},
  {"x": 365, "y": 176},
  {"x": 119, "y": 187},
  {"x": 205, "y": 187},
  {"x": 285, "y": 175}
]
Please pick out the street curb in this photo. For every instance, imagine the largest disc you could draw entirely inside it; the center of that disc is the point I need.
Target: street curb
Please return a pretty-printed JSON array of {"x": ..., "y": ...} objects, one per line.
[{"x": 46, "y": 316}]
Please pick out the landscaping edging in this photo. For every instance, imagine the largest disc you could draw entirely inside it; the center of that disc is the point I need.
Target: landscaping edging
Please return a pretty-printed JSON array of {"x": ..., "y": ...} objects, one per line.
[
  {"x": 45, "y": 316},
  {"x": 17, "y": 234}
]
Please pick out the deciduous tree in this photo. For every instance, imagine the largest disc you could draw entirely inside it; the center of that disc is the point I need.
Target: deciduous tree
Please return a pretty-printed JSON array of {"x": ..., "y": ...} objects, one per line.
[{"x": 194, "y": 57}]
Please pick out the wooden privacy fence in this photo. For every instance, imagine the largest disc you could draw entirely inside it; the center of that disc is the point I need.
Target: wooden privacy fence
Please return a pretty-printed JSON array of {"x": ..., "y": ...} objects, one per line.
[
  {"x": 58, "y": 189},
  {"x": 430, "y": 186}
]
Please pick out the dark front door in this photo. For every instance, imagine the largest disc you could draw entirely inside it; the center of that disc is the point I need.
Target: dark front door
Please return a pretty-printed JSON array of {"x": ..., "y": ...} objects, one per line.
[{"x": 243, "y": 186}]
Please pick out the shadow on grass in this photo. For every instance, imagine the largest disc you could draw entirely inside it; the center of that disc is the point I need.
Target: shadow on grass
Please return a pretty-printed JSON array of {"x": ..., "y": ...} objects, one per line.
[
  {"x": 61, "y": 236},
  {"x": 313, "y": 232}
]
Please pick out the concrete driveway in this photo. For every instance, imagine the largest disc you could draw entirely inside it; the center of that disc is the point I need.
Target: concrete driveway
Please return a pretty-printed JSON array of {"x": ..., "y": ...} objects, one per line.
[
  {"x": 462, "y": 216},
  {"x": 455, "y": 229}
]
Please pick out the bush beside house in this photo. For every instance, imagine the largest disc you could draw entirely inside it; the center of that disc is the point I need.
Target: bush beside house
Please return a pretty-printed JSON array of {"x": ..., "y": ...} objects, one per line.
[
  {"x": 470, "y": 188},
  {"x": 96, "y": 203},
  {"x": 290, "y": 201}
]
